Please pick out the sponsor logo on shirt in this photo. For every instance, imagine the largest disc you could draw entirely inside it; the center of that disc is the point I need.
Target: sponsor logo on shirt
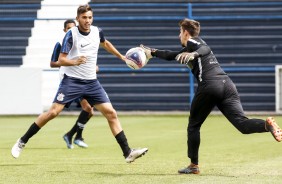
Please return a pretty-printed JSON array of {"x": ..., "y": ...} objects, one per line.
[
  {"x": 213, "y": 62},
  {"x": 84, "y": 45}
]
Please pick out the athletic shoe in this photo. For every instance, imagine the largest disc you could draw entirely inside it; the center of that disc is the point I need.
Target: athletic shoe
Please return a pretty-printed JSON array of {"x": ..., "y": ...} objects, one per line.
[
  {"x": 67, "y": 139},
  {"x": 80, "y": 142},
  {"x": 135, "y": 153},
  {"x": 17, "y": 148},
  {"x": 191, "y": 169},
  {"x": 273, "y": 128}
]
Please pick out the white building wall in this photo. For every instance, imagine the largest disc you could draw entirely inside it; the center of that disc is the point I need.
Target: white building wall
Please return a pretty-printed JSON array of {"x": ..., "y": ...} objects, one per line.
[{"x": 20, "y": 90}]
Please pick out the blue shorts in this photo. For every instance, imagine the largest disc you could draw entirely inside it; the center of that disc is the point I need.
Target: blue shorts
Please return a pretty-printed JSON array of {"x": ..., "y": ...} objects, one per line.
[
  {"x": 72, "y": 88},
  {"x": 78, "y": 100}
]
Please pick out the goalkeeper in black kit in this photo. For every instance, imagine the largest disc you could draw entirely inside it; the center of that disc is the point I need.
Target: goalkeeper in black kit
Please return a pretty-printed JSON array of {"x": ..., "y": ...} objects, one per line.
[{"x": 215, "y": 88}]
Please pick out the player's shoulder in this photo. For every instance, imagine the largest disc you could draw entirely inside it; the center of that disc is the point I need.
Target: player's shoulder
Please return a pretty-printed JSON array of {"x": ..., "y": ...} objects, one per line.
[
  {"x": 74, "y": 28},
  {"x": 58, "y": 44},
  {"x": 92, "y": 27},
  {"x": 197, "y": 40}
]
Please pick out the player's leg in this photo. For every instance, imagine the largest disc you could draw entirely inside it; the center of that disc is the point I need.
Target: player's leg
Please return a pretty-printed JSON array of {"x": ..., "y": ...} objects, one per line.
[
  {"x": 96, "y": 95},
  {"x": 86, "y": 113},
  {"x": 41, "y": 120},
  {"x": 68, "y": 136},
  {"x": 109, "y": 112},
  {"x": 232, "y": 108},
  {"x": 233, "y": 111},
  {"x": 83, "y": 118},
  {"x": 201, "y": 107},
  {"x": 70, "y": 90}
]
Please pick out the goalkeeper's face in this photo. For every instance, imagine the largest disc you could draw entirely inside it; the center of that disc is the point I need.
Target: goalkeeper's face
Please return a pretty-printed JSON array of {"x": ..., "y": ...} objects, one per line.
[{"x": 183, "y": 36}]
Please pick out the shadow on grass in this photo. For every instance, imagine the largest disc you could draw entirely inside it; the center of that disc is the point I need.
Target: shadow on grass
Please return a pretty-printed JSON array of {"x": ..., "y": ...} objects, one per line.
[
  {"x": 46, "y": 148},
  {"x": 133, "y": 174},
  {"x": 20, "y": 165}
]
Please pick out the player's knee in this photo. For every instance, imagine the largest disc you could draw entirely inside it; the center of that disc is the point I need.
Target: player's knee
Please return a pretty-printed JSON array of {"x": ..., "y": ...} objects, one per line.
[
  {"x": 193, "y": 127},
  {"x": 88, "y": 109},
  {"x": 193, "y": 131},
  {"x": 52, "y": 113},
  {"x": 111, "y": 114},
  {"x": 243, "y": 130}
]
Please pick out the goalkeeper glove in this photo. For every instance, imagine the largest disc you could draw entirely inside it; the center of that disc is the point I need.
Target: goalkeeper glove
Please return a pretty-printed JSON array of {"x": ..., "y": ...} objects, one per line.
[
  {"x": 185, "y": 57},
  {"x": 148, "y": 51}
]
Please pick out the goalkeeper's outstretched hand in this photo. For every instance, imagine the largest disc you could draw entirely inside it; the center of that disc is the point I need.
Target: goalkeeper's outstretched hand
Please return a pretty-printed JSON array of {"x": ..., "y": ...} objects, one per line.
[
  {"x": 185, "y": 57},
  {"x": 148, "y": 51}
]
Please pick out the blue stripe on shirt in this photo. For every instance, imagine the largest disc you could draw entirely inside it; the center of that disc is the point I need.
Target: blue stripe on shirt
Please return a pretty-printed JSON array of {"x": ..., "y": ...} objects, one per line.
[
  {"x": 67, "y": 43},
  {"x": 101, "y": 34},
  {"x": 56, "y": 52}
]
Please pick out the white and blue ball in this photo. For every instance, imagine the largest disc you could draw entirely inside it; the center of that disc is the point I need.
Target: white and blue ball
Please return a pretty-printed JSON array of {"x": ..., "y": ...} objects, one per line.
[{"x": 136, "y": 58}]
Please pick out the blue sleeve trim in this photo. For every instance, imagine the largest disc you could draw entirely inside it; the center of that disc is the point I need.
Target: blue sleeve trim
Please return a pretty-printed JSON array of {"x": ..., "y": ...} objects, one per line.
[
  {"x": 56, "y": 52},
  {"x": 101, "y": 34},
  {"x": 67, "y": 43}
]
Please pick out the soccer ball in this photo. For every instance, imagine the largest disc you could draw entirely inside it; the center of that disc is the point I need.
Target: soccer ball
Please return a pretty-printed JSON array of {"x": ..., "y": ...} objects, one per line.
[{"x": 136, "y": 58}]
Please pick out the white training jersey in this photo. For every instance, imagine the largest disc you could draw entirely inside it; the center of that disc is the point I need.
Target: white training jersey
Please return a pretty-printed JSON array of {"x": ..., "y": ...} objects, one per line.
[{"x": 82, "y": 45}]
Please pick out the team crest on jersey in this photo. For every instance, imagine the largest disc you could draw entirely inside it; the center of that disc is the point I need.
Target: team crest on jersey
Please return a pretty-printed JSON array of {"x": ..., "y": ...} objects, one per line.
[{"x": 60, "y": 97}]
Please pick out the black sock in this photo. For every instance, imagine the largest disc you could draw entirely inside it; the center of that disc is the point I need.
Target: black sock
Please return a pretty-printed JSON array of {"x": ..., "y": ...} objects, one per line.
[
  {"x": 82, "y": 119},
  {"x": 33, "y": 129},
  {"x": 75, "y": 128},
  {"x": 72, "y": 131},
  {"x": 121, "y": 139}
]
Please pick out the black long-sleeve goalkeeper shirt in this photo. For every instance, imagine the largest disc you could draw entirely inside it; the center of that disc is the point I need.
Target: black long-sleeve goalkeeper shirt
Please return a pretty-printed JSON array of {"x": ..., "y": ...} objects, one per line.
[{"x": 203, "y": 67}]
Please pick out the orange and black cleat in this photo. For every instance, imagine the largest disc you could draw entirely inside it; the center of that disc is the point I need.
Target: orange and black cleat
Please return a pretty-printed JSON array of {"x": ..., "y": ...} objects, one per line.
[
  {"x": 273, "y": 128},
  {"x": 191, "y": 169}
]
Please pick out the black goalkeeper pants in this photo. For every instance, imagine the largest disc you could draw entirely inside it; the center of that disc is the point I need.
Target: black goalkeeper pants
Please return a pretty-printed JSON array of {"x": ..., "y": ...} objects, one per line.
[{"x": 223, "y": 94}]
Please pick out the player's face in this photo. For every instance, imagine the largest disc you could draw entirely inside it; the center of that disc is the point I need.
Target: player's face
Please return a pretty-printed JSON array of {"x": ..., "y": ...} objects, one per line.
[
  {"x": 183, "y": 37},
  {"x": 85, "y": 20},
  {"x": 69, "y": 25}
]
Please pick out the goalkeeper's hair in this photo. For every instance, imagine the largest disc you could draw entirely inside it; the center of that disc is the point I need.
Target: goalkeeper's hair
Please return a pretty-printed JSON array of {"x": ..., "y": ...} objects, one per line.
[
  {"x": 192, "y": 26},
  {"x": 68, "y": 21}
]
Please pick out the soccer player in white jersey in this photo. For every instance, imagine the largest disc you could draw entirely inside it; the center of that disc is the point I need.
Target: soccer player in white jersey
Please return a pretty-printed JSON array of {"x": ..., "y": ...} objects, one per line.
[
  {"x": 78, "y": 57},
  {"x": 87, "y": 111}
]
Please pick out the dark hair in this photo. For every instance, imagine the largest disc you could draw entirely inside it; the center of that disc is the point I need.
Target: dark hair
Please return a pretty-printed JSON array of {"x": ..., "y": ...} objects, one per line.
[
  {"x": 83, "y": 9},
  {"x": 68, "y": 21},
  {"x": 192, "y": 26}
]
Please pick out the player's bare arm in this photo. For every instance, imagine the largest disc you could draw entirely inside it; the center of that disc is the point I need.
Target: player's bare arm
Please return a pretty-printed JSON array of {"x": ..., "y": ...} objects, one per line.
[
  {"x": 64, "y": 61},
  {"x": 108, "y": 46},
  {"x": 54, "y": 64}
]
